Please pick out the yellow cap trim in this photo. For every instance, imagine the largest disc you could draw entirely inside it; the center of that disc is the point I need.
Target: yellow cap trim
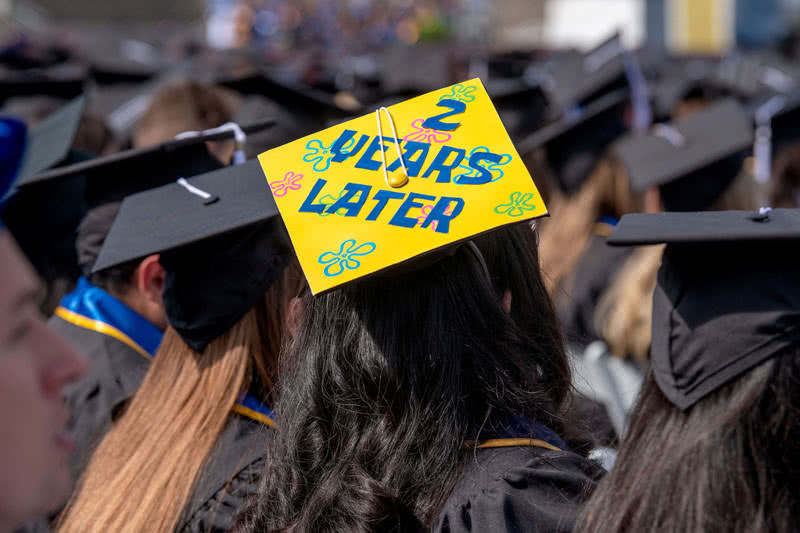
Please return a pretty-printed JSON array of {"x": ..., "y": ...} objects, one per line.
[
  {"x": 254, "y": 415},
  {"x": 100, "y": 327},
  {"x": 508, "y": 443}
]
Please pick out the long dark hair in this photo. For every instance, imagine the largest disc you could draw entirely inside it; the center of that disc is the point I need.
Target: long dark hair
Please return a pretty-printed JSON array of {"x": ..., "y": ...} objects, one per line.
[
  {"x": 727, "y": 464},
  {"x": 512, "y": 256},
  {"x": 386, "y": 380}
]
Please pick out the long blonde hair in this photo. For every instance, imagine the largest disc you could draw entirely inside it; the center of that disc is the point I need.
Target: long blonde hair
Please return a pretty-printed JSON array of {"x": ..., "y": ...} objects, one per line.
[
  {"x": 142, "y": 474},
  {"x": 564, "y": 238},
  {"x": 623, "y": 315}
]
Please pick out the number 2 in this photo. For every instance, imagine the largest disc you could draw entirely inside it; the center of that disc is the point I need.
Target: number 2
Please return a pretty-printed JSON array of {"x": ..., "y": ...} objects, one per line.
[{"x": 435, "y": 123}]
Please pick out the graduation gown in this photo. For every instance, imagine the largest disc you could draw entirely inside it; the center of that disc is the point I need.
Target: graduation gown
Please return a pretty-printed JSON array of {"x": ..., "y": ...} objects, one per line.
[
  {"x": 594, "y": 272},
  {"x": 520, "y": 489},
  {"x": 231, "y": 476},
  {"x": 119, "y": 344}
]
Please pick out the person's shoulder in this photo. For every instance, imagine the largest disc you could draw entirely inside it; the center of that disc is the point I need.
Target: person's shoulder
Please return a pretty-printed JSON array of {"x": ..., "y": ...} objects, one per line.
[
  {"x": 519, "y": 489},
  {"x": 231, "y": 476}
]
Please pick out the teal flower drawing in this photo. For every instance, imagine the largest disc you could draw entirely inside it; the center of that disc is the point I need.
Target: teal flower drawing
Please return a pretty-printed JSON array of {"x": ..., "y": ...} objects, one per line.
[
  {"x": 495, "y": 168},
  {"x": 345, "y": 258},
  {"x": 517, "y": 206},
  {"x": 329, "y": 200},
  {"x": 321, "y": 155},
  {"x": 460, "y": 92}
]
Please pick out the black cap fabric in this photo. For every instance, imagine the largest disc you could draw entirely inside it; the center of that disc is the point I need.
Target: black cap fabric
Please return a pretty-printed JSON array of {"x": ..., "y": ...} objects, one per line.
[
  {"x": 747, "y": 75},
  {"x": 288, "y": 93},
  {"x": 62, "y": 81},
  {"x": 221, "y": 244},
  {"x": 142, "y": 159},
  {"x": 575, "y": 143},
  {"x": 727, "y": 296},
  {"x": 50, "y": 140},
  {"x": 579, "y": 78},
  {"x": 694, "y": 160}
]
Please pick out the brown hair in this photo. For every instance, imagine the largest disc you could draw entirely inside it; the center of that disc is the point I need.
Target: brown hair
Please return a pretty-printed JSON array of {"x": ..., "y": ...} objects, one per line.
[
  {"x": 563, "y": 239},
  {"x": 785, "y": 184},
  {"x": 623, "y": 316},
  {"x": 726, "y": 464},
  {"x": 183, "y": 107},
  {"x": 143, "y": 472}
]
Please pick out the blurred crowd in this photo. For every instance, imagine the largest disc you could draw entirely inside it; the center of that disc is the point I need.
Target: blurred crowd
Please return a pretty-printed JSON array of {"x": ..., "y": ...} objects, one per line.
[{"x": 647, "y": 327}]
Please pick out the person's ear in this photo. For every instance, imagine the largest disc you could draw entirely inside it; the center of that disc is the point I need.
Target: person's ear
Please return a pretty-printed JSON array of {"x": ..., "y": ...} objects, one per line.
[
  {"x": 150, "y": 279},
  {"x": 222, "y": 150},
  {"x": 294, "y": 314},
  {"x": 652, "y": 200},
  {"x": 507, "y": 297}
]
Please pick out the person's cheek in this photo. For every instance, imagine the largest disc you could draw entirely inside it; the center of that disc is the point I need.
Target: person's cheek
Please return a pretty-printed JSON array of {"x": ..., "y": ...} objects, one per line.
[{"x": 26, "y": 448}]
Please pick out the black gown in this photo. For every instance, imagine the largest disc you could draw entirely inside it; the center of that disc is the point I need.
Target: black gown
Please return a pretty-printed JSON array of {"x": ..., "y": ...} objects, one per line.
[
  {"x": 594, "y": 272},
  {"x": 115, "y": 372},
  {"x": 519, "y": 489},
  {"x": 231, "y": 476}
]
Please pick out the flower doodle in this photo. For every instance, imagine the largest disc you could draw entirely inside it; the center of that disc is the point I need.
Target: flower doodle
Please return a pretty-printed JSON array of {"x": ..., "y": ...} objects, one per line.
[
  {"x": 290, "y": 181},
  {"x": 426, "y": 135},
  {"x": 321, "y": 155},
  {"x": 426, "y": 210},
  {"x": 345, "y": 258},
  {"x": 495, "y": 168},
  {"x": 329, "y": 199},
  {"x": 517, "y": 206},
  {"x": 460, "y": 92}
]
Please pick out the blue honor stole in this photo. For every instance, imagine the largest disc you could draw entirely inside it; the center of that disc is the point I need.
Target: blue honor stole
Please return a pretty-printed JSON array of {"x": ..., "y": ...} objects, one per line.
[
  {"x": 90, "y": 307},
  {"x": 605, "y": 225}
]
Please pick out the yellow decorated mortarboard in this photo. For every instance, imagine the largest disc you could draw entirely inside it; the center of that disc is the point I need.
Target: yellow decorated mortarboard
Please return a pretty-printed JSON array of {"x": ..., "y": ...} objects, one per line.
[{"x": 353, "y": 210}]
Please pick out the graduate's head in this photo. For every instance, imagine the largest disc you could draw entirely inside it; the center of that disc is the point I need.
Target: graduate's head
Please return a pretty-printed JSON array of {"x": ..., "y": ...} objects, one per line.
[
  {"x": 404, "y": 349},
  {"x": 229, "y": 273},
  {"x": 35, "y": 367},
  {"x": 706, "y": 443}
]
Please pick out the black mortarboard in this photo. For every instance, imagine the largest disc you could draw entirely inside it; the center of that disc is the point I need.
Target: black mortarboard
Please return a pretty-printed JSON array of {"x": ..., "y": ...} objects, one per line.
[
  {"x": 62, "y": 81},
  {"x": 575, "y": 142},
  {"x": 579, "y": 78},
  {"x": 221, "y": 244},
  {"x": 50, "y": 140},
  {"x": 680, "y": 79},
  {"x": 727, "y": 296},
  {"x": 747, "y": 75},
  {"x": 521, "y": 106},
  {"x": 111, "y": 178},
  {"x": 692, "y": 161},
  {"x": 288, "y": 93}
]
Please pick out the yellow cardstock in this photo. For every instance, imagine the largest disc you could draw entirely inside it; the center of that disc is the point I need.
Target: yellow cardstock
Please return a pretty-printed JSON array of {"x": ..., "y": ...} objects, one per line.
[{"x": 347, "y": 222}]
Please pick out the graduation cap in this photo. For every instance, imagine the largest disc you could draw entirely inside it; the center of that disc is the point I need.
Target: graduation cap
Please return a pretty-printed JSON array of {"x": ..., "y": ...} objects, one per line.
[
  {"x": 727, "y": 296},
  {"x": 145, "y": 159},
  {"x": 354, "y": 210},
  {"x": 747, "y": 75},
  {"x": 49, "y": 141},
  {"x": 692, "y": 161},
  {"x": 579, "y": 78},
  {"x": 575, "y": 142},
  {"x": 126, "y": 61},
  {"x": 679, "y": 79},
  {"x": 290, "y": 94},
  {"x": 111, "y": 178},
  {"x": 521, "y": 105},
  {"x": 220, "y": 242},
  {"x": 62, "y": 81}
]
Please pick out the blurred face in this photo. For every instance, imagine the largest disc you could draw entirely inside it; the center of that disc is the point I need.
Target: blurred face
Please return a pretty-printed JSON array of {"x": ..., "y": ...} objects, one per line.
[{"x": 35, "y": 365}]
